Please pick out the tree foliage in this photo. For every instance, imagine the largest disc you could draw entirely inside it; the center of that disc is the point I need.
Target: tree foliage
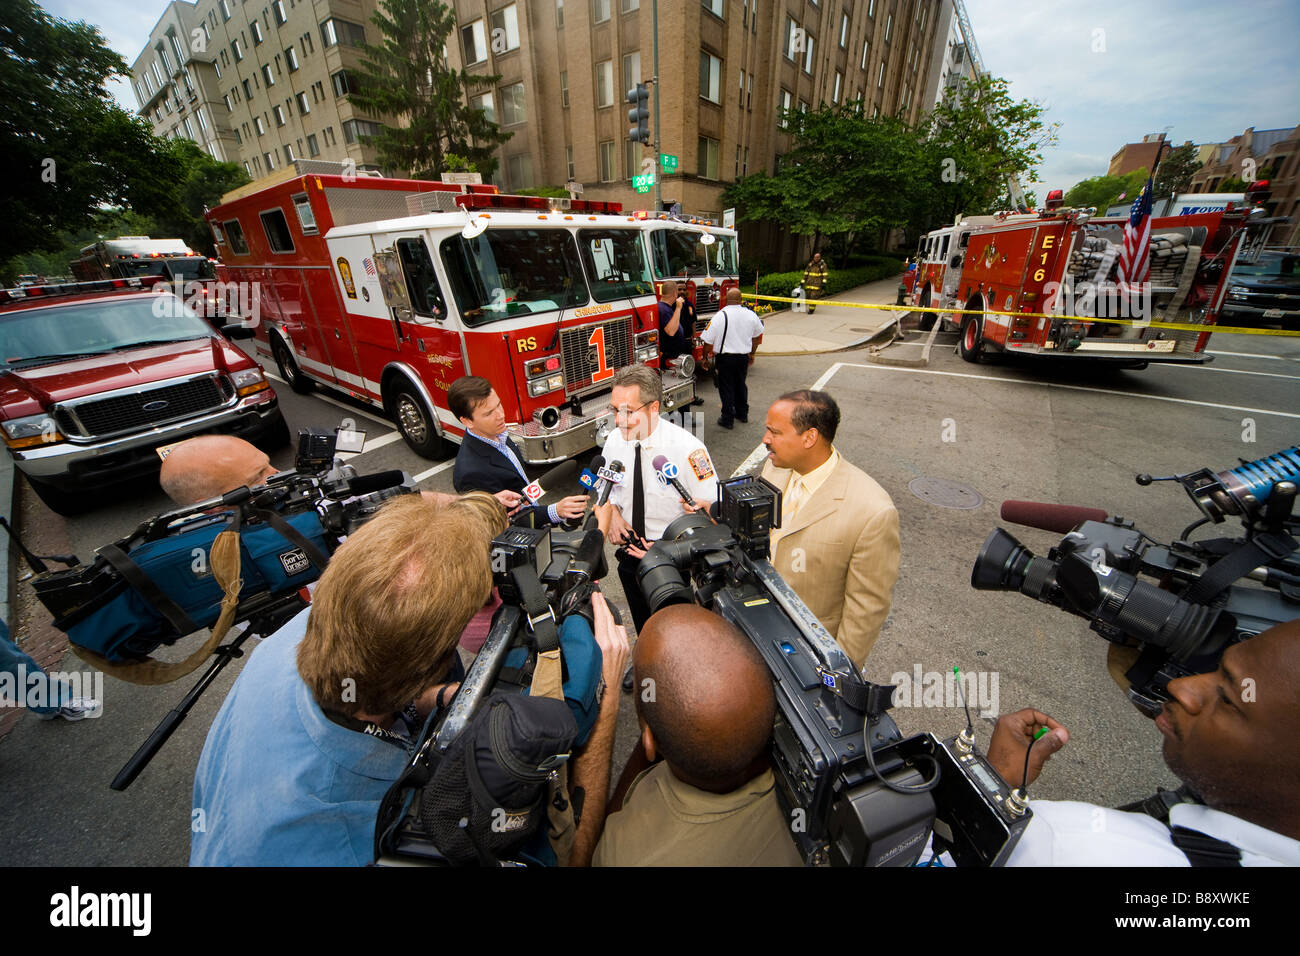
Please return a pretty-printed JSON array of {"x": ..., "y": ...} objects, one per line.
[
  {"x": 69, "y": 150},
  {"x": 1174, "y": 175},
  {"x": 201, "y": 184},
  {"x": 407, "y": 76},
  {"x": 1105, "y": 191}
]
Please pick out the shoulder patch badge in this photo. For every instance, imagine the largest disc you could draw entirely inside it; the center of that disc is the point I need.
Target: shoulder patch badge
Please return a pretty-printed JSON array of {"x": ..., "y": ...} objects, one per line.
[{"x": 700, "y": 464}]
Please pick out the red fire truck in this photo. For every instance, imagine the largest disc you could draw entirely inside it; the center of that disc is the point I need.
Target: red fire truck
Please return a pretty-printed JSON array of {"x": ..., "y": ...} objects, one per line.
[
  {"x": 391, "y": 289},
  {"x": 133, "y": 256},
  {"x": 1059, "y": 265}
]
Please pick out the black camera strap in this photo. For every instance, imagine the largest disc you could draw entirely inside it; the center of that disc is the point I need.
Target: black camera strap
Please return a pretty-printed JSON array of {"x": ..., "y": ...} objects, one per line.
[
  {"x": 314, "y": 554},
  {"x": 1204, "y": 850},
  {"x": 540, "y": 617},
  {"x": 1264, "y": 548},
  {"x": 147, "y": 589}
]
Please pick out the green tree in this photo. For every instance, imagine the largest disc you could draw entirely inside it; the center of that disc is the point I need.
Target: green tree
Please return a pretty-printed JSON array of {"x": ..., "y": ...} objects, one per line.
[
  {"x": 202, "y": 183},
  {"x": 408, "y": 77},
  {"x": 1105, "y": 191},
  {"x": 1175, "y": 172},
  {"x": 988, "y": 136},
  {"x": 69, "y": 150}
]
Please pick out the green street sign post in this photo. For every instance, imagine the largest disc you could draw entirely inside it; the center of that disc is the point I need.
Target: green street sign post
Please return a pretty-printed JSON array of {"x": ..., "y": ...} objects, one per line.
[
  {"x": 644, "y": 184},
  {"x": 668, "y": 161}
]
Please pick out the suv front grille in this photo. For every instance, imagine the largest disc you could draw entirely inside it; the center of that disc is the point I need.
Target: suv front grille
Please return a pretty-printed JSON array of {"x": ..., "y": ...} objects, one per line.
[
  {"x": 127, "y": 412},
  {"x": 581, "y": 360}
]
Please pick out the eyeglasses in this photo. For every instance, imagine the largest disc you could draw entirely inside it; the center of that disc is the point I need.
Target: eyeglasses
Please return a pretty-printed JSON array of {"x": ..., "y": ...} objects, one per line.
[{"x": 625, "y": 409}]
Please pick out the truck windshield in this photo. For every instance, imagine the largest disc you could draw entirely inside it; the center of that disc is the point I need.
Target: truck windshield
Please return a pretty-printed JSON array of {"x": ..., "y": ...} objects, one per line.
[
  {"x": 616, "y": 263},
  {"x": 508, "y": 272},
  {"x": 191, "y": 267},
  {"x": 725, "y": 262},
  {"x": 96, "y": 327},
  {"x": 678, "y": 252},
  {"x": 1268, "y": 265}
]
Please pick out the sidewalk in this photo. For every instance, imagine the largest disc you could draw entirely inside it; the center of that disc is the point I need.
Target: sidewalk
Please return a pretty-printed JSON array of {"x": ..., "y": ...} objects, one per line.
[{"x": 832, "y": 329}]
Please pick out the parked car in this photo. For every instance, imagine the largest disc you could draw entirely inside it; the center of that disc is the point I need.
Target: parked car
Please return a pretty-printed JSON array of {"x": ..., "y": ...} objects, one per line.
[
  {"x": 1264, "y": 292},
  {"x": 96, "y": 376}
]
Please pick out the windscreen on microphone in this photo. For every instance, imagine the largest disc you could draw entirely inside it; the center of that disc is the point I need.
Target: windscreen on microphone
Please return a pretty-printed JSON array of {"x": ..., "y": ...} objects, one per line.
[
  {"x": 1062, "y": 519},
  {"x": 364, "y": 484},
  {"x": 557, "y": 482},
  {"x": 590, "y": 553}
]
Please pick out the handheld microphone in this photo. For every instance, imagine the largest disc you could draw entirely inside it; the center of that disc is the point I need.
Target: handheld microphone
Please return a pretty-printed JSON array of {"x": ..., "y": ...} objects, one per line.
[
  {"x": 667, "y": 473},
  {"x": 554, "y": 482},
  {"x": 588, "y": 477},
  {"x": 1061, "y": 519},
  {"x": 611, "y": 476}
]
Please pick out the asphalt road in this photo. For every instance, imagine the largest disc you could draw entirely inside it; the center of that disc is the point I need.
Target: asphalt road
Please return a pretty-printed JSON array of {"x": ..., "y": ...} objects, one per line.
[{"x": 1060, "y": 434}]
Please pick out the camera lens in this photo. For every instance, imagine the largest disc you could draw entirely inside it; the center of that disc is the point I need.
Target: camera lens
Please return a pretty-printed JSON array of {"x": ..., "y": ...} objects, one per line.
[
  {"x": 686, "y": 526},
  {"x": 661, "y": 580},
  {"x": 1002, "y": 564}
]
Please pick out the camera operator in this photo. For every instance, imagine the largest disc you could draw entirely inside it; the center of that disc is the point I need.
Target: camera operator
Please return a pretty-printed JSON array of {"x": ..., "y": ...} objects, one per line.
[
  {"x": 1229, "y": 736},
  {"x": 208, "y": 466},
  {"x": 706, "y": 706}
]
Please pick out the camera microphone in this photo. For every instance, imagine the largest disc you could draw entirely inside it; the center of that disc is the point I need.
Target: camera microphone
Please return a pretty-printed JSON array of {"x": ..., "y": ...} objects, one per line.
[
  {"x": 1061, "y": 519},
  {"x": 611, "y": 476},
  {"x": 588, "y": 477},
  {"x": 552, "y": 485},
  {"x": 667, "y": 473}
]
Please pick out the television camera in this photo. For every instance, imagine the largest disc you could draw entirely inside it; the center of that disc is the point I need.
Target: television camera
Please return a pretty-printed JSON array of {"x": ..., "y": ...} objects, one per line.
[{"x": 1206, "y": 594}]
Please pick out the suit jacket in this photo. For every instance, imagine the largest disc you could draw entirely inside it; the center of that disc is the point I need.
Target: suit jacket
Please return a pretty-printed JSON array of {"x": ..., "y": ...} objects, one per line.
[
  {"x": 480, "y": 467},
  {"x": 840, "y": 555}
]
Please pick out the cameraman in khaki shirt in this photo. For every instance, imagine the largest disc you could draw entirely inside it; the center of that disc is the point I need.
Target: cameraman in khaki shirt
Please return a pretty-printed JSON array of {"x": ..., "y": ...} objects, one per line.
[{"x": 706, "y": 705}]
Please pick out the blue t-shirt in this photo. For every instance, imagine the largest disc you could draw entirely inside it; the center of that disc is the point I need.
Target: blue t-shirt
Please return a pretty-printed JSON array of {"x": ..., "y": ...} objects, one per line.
[{"x": 671, "y": 346}]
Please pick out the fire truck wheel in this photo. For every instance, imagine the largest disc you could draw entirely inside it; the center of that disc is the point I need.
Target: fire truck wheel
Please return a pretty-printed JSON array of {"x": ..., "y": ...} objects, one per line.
[
  {"x": 61, "y": 502},
  {"x": 415, "y": 422},
  {"x": 288, "y": 367},
  {"x": 925, "y": 321},
  {"x": 972, "y": 345}
]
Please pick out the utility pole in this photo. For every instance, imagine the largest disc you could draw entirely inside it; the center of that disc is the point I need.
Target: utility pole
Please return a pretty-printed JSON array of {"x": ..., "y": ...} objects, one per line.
[{"x": 659, "y": 143}]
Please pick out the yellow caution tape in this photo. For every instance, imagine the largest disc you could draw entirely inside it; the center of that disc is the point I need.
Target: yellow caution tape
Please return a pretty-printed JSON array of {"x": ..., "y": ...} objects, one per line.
[{"x": 1179, "y": 326}]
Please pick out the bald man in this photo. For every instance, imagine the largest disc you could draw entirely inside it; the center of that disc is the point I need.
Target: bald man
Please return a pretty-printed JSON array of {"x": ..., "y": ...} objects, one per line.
[
  {"x": 210, "y": 465},
  {"x": 706, "y": 705}
]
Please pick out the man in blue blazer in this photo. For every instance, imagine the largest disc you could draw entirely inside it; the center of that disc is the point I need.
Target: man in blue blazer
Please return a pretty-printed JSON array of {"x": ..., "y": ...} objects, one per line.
[{"x": 489, "y": 461}]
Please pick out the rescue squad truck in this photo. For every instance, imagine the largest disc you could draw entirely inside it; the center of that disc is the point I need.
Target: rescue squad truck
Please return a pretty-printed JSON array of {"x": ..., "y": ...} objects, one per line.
[
  {"x": 1059, "y": 265},
  {"x": 129, "y": 257},
  {"x": 391, "y": 289}
]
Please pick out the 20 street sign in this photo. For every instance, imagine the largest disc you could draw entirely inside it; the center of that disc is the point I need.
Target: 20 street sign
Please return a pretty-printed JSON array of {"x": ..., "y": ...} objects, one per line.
[{"x": 644, "y": 184}]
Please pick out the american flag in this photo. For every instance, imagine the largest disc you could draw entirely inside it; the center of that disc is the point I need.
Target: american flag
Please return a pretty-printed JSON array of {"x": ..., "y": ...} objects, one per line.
[
  {"x": 1134, "y": 260},
  {"x": 369, "y": 267}
]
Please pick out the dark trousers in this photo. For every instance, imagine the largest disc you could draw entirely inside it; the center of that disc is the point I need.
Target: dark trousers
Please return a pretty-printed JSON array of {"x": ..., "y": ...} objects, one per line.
[
  {"x": 732, "y": 390},
  {"x": 636, "y": 602}
]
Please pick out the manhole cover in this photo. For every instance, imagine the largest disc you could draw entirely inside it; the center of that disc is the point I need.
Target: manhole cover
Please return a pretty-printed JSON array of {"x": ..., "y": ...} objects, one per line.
[{"x": 945, "y": 493}]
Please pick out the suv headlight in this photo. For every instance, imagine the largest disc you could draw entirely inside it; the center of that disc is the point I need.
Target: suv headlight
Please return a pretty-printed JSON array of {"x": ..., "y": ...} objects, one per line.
[
  {"x": 249, "y": 382},
  {"x": 32, "y": 431}
]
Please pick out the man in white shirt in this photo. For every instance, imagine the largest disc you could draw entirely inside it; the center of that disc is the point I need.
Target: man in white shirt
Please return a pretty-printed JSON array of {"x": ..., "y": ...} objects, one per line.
[
  {"x": 730, "y": 342},
  {"x": 1229, "y": 735},
  {"x": 642, "y": 505}
]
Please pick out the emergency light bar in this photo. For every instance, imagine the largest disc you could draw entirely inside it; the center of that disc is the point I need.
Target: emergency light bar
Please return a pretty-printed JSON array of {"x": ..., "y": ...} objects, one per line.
[
  {"x": 54, "y": 289},
  {"x": 538, "y": 203}
]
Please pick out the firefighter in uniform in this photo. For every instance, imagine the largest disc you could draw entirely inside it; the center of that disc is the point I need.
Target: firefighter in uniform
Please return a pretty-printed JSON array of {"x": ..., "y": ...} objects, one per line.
[{"x": 814, "y": 280}]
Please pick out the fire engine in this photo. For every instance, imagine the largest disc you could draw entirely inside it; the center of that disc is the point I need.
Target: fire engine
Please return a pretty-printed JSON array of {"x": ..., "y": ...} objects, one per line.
[
  {"x": 129, "y": 257},
  {"x": 1061, "y": 263},
  {"x": 391, "y": 289},
  {"x": 702, "y": 254}
]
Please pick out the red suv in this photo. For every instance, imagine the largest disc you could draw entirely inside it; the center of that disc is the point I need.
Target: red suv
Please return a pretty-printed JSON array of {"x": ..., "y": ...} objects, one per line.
[{"x": 95, "y": 376}]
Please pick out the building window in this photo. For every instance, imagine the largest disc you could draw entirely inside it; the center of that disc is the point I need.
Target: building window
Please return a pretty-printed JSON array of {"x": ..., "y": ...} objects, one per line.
[
  {"x": 889, "y": 25},
  {"x": 627, "y": 6},
  {"x": 605, "y": 83},
  {"x": 564, "y": 88},
  {"x": 259, "y": 126},
  {"x": 559, "y": 14},
  {"x": 280, "y": 16},
  {"x": 353, "y": 130},
  {"x": 506, "y": 21},
  {"x": 303, "y": 108},
  {"x": 793, "y": 38},
  {"x": 749, "y": 94},
  {"x": 871, "y": 8},
  {"x": 225, "y": 11},
  {"x": 268, "y": 75},
  {"x": 235, "y": 47},
  {"x": 715, "y": 7},
  {"x": 176, "y": 48},
  {"x": 288, "y": 153},
  {"x": 839, "y": 82},
  {"x": 226, "y": 99},
  {"x": 343, "y": 83},
  {"x": 809, "y": 42},
  {"x": 291, "y": 57},
  {"x": 278, "y": 111},
  {"x": 472, "y": 39},
  {"x": 330, "y": 138},
  {"x": 239, "y": 140},
  {"x": 203, "y": 123},
  {"x": 631, "y": 70},
  {"x": 255, "y": 29},
  {"x": 708, "y": 153},
  {"x": 631, "y": 159},
  {"x": 866, "y": 47},
  {"x": 335, "y": 31},
  {"x": 270, "y": 163},
  {"x": 784, "y": 103},
  {"x": 844, "y": 30},
  {"x": 313, "y": 148},
  {"x": 880, "y": 80},
  {"x": 519, "y": 170},
  {"x": 600, "y": 14},
  {"x": 484, "y": 102},
  {"x": 248, "y": 90},
  {"x": 607, "y": 174},
  {"x": 512, "y": 105},
  {"x": 307, "y": 44},
  {"x": 710, "y": 77},
  {"x": 189, "y": 130},
  {"x": 568, "y": 159}
]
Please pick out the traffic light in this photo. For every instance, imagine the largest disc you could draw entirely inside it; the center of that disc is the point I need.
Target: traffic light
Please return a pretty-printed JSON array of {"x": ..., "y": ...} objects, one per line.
[{"x": 639, "y": 114}]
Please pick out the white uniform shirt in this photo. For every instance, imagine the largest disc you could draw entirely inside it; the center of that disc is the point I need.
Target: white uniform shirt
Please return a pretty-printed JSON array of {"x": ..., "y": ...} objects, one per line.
[
  {"x": 662, "y": 503},
  {"x": 741, "y": 326},
  {"x": 1066, "y": 833}
]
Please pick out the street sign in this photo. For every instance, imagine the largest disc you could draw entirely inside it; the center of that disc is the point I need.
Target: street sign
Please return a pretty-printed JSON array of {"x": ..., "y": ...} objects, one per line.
[
  {"x": 463, "y": 179},
  {"x": 644, "y": 184},
  {"x": 729, "y": 218},
  {"x": 668, "y": 161},
  {"x": 574, "y": 186}
]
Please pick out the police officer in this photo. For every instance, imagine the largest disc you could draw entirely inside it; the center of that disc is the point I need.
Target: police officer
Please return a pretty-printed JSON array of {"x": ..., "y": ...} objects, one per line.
[
  {"x": 733, "y": 335},
  {"x": 641, "y": 506}
]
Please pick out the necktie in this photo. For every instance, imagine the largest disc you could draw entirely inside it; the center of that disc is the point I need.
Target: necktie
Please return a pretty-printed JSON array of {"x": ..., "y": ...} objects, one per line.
[
  {"x": 638, "y": 495},
  {"x": 793, "y": 499}
]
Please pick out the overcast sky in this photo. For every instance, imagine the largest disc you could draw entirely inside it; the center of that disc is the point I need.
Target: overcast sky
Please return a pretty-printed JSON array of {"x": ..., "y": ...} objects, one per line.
[{"x": 1109, "y": 71}]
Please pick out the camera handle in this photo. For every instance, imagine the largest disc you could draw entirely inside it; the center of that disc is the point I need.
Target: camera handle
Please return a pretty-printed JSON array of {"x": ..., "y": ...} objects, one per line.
[{"x": 263, "y": 624}]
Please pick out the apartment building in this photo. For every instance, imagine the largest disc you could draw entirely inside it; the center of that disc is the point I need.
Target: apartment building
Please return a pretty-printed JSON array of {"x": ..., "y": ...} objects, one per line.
[
  {"x": 1256, "y": 154},
  {"x": 258, "y": 83}
]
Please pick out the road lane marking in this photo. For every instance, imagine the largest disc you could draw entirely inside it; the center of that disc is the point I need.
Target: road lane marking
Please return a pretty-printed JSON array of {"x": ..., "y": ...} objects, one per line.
[
  {"x": 434, "y": 470},
  {"x": 1230, "y": 371},
  {"x": 1256, "y": 355}
]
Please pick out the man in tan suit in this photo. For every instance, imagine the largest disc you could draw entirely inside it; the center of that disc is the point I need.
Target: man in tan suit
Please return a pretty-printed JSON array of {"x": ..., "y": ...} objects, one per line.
[{"x": 838, "y": 541}]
